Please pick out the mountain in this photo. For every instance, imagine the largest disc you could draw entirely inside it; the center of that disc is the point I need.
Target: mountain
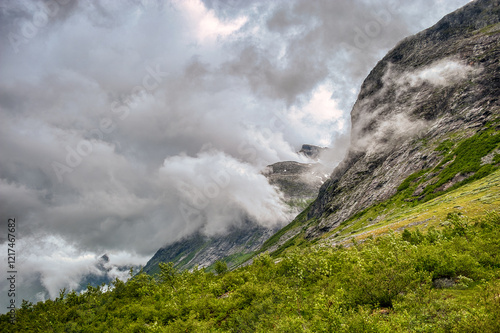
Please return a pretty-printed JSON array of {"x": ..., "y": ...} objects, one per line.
[
  {"x": 234, "y": 246},
  {"x": 105, "y": 272},
  {"x": 298, "y": 182},
  {"x": 426, "y": 122},
  {"x": 311, "y": 151}
]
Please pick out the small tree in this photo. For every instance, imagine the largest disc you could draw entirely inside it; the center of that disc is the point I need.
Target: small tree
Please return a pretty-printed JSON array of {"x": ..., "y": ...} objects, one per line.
[
  {"x": 220, "y": 267},
  {"x": 168, "y": 273}
]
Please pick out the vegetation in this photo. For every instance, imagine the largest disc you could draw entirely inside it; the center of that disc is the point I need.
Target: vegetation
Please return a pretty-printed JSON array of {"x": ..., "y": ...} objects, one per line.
[
  {"x": 390, "y": 283},
  {"x": 472, "y": 199},
  {"x": 465, "y": 160},
  {"x": 220, "y": 267},
  {"x": 462, "y": 163}
]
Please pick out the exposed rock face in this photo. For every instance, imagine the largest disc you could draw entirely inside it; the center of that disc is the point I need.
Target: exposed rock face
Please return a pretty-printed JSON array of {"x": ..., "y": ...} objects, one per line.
[
  {"x": 299, "y": 184},
  {"x": 311, "y": 151},
  {"x": 440, "y": 81},
  {"x": 297, "y": 180}
]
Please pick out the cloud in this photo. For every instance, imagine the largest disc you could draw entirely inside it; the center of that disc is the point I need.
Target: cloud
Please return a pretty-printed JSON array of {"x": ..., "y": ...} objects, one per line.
[
  {"x": 388, "y": 130},
  {"x": 440, "y": 73},
  {"x": 112, "y": 112},
  {"x": 216, "y": 191},
  {"x": 379, "y": 122},
  {"x": 319, "y": 116},
  {"x": 55, "y": 264},
  {"x": 207, "y": 26}
]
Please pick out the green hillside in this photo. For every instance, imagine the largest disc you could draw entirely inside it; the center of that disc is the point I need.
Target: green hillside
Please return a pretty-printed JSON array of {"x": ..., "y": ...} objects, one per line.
[{"x": 442, "y": 274}]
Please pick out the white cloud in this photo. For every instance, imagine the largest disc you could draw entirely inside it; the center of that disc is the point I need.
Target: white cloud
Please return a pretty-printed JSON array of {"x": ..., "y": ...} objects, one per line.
[
  {"x": 217, "y": 191},
  {"x": 440, "y": 73},
  {"x": 319, "y": 116},
  {"x": 60, "y": 264},
  {"x": 206, "y": 24}
]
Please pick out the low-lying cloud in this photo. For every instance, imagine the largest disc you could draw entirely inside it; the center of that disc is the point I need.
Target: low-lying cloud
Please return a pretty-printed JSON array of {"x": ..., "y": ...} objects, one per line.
[
  {"x": 440, "y": 73},
  {"x": 216, "y": 191},
  {"x": 49, "y": 263},
  {"x": 379, "y": 124}
]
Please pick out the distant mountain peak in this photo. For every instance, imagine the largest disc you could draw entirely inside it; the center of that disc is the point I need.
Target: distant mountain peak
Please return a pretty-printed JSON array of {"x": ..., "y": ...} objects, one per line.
[{"x": 312, "y": 151}]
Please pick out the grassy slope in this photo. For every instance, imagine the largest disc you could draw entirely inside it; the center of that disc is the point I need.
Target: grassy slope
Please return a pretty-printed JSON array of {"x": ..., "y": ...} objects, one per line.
[
  {"x": 386, "y": 284},
  {"x": 472, "y": 199}
]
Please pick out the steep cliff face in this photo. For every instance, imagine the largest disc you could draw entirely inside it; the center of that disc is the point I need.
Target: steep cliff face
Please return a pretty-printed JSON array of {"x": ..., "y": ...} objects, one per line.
[
  {"x": 441, "y": 85},
  {"x": 297, "y": 181}
]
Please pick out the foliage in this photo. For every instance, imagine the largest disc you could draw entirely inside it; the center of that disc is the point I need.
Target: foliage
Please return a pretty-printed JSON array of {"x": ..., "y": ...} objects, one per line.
[
  {"x": 445, "y": 146},
  {"x": 461, "y": 159},
  {"x": 220, "y": 267},
  {"x": 411, "y": 179},
  {"x": 465, "y": 159},
  {"x": 386, "y": 284}
]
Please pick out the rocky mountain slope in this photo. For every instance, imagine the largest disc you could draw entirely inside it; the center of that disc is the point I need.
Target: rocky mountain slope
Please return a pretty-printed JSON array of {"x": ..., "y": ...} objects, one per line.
[
  {"x": 297, "y": 181},
  {"x": 426, "y": 121},
  {"x": 299, "y": 184}
]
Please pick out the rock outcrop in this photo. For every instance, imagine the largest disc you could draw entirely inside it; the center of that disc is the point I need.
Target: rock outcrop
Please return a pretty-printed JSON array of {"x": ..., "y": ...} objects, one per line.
[
  {"x": 297, "y": 180},
  {"x": 311, "y": 151}
]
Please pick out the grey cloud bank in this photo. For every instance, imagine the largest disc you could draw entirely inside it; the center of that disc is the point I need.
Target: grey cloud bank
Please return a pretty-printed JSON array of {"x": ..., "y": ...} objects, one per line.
[{"x": 127, "y": 125}]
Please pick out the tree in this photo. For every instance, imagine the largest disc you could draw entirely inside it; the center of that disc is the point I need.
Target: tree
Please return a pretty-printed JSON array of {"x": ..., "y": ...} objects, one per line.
[{"x": 220, "y": 267}]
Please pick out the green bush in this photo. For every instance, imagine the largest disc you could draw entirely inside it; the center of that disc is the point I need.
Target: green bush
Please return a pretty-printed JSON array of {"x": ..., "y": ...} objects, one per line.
[{"x": 220, "y": 267}]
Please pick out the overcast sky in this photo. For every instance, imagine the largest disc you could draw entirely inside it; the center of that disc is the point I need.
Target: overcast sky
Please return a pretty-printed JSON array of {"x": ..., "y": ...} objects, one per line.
[{"x": 125, "y": 125}]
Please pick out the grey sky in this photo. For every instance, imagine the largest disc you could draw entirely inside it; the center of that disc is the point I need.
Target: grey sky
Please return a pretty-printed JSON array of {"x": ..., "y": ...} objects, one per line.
[{"x": 125, "y": 125}]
